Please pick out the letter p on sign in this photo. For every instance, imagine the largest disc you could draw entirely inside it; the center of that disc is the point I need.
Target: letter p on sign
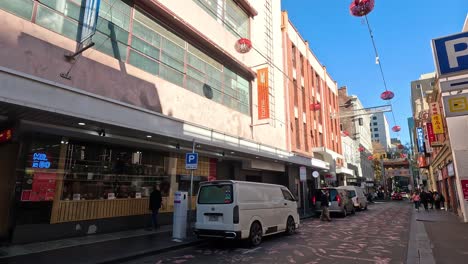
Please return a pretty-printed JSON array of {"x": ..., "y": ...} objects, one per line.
[{"x": 451, "y": 54}]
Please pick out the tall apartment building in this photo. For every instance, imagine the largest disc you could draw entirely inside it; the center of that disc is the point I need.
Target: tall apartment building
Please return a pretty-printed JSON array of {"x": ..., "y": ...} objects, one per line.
[
  {"x": 355, "y": 122},
  {"x": 89, "y": 137},
  {"x": 380, "y": 132},
  {"x": 312, "y": 106}
]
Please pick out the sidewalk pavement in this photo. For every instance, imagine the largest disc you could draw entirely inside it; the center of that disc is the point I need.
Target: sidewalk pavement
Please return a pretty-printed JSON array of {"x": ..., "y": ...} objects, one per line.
[
  {"x": 437, "y": 237},
  {"x": 99, "y": 248}
]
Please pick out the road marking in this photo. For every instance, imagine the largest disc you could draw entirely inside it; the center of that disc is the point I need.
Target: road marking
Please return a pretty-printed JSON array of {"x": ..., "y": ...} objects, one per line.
[{"x": 251, "y": 250}]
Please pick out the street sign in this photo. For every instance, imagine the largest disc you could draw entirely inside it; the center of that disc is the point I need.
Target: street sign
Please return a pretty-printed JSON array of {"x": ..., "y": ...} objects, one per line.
[
  {"x": 451, "y": 54},
  {"x": 191, "y": 161},
  {"x": 456, "y": 105},
  {"x": 464, "y": 184},
  {"x": 303, "y": 173},
  {"x": 315, "y": 174},
  {"x": 91, "y": 14},
  {"x": 454, "y": 85}
]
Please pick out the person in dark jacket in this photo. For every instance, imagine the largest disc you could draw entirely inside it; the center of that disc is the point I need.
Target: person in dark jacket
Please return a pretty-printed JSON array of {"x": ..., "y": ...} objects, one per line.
[
  {"x": 324, "y": 200},
  {"x": 154, "y": 205},
  {"x": 424, "y": 199}
]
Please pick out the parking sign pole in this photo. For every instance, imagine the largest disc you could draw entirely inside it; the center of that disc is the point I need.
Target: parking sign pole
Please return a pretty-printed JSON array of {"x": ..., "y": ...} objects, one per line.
[{"x": 191, "y": 193}]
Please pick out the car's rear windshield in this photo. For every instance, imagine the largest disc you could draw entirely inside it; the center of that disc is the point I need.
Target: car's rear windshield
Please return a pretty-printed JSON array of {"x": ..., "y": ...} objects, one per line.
[{"x": 216, "y": 194}]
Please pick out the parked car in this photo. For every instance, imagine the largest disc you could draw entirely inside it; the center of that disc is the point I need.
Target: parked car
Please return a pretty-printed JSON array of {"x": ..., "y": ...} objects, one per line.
[
  {"x": 245, "y": 210},
  {"x": 358, "y": 196},
  {"x": 340, "y": 201}
]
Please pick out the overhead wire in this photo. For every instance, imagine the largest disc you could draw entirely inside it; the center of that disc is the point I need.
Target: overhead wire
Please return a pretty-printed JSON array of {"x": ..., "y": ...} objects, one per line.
[{"x": 379, "y": 62}]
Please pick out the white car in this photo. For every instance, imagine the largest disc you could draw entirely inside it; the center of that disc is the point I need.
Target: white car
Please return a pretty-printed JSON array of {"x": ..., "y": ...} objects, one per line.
[
  {"x": 245, "y": 210},
  {"x": 358, "y": 196}
]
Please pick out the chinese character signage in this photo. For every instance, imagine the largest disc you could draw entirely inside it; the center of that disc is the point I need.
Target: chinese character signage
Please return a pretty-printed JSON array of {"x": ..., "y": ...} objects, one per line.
[
  {"x": 40, "y": 161},
  {"x": 435, "y": 109},
  {"x": 438, "y": 127},
  {"x": 420, "y": 137},
  {"x": 430, "y": 133},
  {"x": 263, "y": 94}
]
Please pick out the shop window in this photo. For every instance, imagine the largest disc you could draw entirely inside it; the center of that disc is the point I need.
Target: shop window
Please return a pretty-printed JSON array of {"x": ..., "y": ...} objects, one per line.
[
  {"x": 229, "y": 14},
  {"x": 22, "y": 8},
  {"x": 57, "y": 22}
]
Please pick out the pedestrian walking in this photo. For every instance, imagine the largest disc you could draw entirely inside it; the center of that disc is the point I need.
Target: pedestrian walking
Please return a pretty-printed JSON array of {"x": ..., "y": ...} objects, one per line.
[
  {"x": 154, "y": 205},
  {"x": 424, "y": 199},
  {"x": 324, "y": 203},
  {"x": 416, "y": 200},
  {"x": 442, "y": 202},
  {"x": 437, "y": 200},
  {"x": 431, "y": 199}
]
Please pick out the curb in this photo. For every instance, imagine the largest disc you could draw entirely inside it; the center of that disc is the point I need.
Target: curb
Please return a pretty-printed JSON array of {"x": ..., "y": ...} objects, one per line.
[{"x": 150, "y": 252}]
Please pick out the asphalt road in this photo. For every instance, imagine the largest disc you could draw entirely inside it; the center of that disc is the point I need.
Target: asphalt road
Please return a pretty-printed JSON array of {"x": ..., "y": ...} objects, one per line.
[{"x": 378, "y": 235}]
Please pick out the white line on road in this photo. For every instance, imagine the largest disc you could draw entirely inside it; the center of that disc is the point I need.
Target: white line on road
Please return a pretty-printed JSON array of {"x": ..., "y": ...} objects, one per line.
[{"x": 251, "y": 250}]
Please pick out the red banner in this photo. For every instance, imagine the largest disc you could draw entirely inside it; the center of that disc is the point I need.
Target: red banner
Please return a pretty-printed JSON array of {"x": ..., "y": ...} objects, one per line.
[
  {"x": 464, "y": 184},
  {"x": 263, "y": 94},
  {"x": 430, "y": 133},
  {"x": 43, "y": 187}
]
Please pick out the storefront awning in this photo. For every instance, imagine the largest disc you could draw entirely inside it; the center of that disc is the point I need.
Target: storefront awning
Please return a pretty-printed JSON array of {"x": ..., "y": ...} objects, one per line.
[
  {"x": 345, "y": 171},
  {"x": 328, "y": 152}
]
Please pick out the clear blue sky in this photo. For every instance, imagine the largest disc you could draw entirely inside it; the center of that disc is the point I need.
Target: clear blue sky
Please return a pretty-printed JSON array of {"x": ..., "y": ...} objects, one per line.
[{"x": 403, "y": 31}]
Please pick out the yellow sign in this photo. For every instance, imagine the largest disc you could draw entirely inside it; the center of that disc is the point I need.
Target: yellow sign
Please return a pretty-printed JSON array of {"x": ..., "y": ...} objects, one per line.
[
  {"x": 437, "y": 124},
  {"x": 458, "y": 104}
]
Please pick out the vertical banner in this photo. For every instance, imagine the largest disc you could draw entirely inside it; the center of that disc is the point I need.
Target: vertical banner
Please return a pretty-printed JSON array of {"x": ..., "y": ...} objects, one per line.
[
  {"x": 263, "y": 94},
  {"x": 90, "y": 17},
  {"x": 420, "y": 135},
  {"x": 437, "y": 124},
  {"x": 430, "y": 133}
]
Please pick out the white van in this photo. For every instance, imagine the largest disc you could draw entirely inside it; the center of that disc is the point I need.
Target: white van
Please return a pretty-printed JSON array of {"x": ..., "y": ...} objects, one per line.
[
  {"x": 357, "y": 195},
  {"x": 245, "y": 210}
]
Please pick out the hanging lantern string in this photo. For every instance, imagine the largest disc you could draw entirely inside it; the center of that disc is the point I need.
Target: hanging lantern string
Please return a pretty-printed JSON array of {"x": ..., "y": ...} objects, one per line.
[{"x": 380, "y": 65}]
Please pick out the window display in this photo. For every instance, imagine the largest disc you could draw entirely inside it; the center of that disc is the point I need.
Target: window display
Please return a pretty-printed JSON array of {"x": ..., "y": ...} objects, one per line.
[{"x": 99, "y": 172}]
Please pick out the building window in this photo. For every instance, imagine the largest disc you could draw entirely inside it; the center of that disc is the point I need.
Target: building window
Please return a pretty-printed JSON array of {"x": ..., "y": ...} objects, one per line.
[
  {"x": 376, "y": 135},
  {"x": 320, "y": 140},
  {"x": 375, "y": 123},
  {"x": 304, "y": 109},
  {"x": 293, "y": 55},
  {"x": 376, "y": 129},
  {"x": 229, "y": 14},
  {"x": 298, "y": 137},
  {"x": 301, "y": 60},
  {"x": 318, "y": 82},
  {"x": 306, "y": 143},
  {"x": 295, "y": 93},
  {"x": 374, "y": 118}
]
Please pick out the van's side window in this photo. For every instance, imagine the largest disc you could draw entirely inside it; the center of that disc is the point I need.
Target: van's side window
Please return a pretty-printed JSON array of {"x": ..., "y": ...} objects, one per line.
[{"x": 287, "y": 195}]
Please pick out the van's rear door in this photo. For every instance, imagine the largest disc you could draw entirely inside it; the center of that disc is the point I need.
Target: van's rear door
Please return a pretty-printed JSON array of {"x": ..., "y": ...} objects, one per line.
[{"x": 215, "y": 206}]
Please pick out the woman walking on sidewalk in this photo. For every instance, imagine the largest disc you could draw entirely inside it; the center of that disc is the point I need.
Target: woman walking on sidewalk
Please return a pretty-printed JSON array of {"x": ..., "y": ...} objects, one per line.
[{"x": 416, "y": 200}]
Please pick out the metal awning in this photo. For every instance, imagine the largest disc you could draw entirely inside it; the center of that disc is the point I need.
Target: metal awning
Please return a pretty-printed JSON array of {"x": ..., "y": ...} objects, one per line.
[
  {"x": 344, "y": 170},
  {"x": 328, "y": 152}
]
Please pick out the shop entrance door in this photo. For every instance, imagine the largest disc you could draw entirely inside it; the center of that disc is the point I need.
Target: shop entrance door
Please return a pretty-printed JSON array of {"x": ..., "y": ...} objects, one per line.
[{"x": 8, "y": 154}]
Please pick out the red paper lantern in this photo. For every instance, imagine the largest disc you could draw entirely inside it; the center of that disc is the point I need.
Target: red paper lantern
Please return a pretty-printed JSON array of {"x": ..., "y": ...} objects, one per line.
[
  {"x": 400, "y": 146},
  {"x": 243, "y": 45},
  {"x": 360, "y": 149},
  {"x": 361, "y": 8},
  {"x": 403, "y": 155},
  {"x": 345, "y": 133},
  {"x": 396, "y": 129},
  {"x": 370, "y": 158},
  {"x": 387, "y": 95},
  {"x": 315, "y": 107}
]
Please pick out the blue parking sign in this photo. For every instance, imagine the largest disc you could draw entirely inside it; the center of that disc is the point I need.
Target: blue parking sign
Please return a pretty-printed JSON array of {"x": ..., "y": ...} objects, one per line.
[
  {"x": 191, "y": 161},
  {"x": 451, "y": 54}
]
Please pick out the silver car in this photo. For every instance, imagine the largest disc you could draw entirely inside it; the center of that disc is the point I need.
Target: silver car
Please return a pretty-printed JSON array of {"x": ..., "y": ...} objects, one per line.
[{"x": 340, "y": 201}]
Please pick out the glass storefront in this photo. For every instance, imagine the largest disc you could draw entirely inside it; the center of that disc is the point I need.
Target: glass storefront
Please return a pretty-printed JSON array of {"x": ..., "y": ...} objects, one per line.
[{"x": 66, "y": 180}]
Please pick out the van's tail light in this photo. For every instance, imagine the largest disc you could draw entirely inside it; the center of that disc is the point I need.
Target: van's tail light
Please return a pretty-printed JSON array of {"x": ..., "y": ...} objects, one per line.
[
  {"x": 235, "y": 215},
  {"x": 338, "y": 199},
  {"x": 314, "y": 200}
]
